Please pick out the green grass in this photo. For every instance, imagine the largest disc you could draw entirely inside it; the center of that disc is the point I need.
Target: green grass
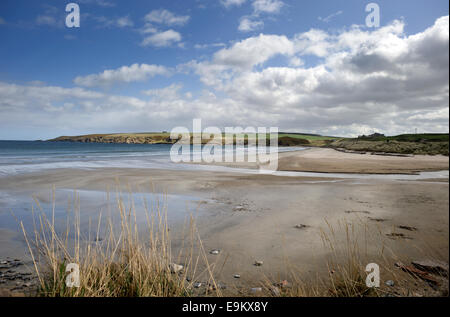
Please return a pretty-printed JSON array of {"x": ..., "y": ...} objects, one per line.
[
  {"x": 427, "y": 137},
  {"x": 308, "y": 137}
]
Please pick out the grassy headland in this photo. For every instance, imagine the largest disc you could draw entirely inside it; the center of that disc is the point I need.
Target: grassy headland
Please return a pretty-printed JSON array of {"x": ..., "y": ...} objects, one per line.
[
  {"x": 284, "y": 139},
  {"x": 419, "y": 144},
  {"x": 425, "y": 144}
]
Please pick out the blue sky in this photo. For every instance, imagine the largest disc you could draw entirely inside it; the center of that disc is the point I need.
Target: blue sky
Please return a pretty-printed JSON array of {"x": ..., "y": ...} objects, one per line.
[{"x": 200, "y": 58}]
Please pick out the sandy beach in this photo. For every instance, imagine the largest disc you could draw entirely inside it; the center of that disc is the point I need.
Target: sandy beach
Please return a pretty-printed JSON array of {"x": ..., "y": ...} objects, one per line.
[
  {"x": 325, "y": 160},
  {"x": 280, "y": 220}
]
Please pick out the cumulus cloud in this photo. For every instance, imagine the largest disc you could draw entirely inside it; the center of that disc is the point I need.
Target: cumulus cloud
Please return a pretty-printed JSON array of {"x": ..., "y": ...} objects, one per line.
[
  {"x": 165, "y": 94},
  {"x": 162, "y": 39},
  {"x": 254, "y": 21},
  {"x": 248, "y": 25},
  {"x": 125, "y": 74},
  {"x": 163, "y": 16},
  {"x": 49, "y": 111},
  {"x": 253, "y": 51},
  {"x": 361, "y": 81},
  {"x": 231, "y": 3},
  {"x": 267, "y": 6}
]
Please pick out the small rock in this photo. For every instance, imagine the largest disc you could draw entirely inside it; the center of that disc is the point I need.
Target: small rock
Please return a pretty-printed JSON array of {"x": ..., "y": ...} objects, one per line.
[
  {"x": 258, "y": 263},
  {"x": 215, "y": 251},
  {"x": 301, "y": 226},
  {"x": 237, "y": 276},
  {"x": 197, "y": 285},
  {"x": 175, "y": 268},
  {"x": 390, "y": 283},
  {"x": 256, "y": 289},
  {"x": 239, "y": 208}
]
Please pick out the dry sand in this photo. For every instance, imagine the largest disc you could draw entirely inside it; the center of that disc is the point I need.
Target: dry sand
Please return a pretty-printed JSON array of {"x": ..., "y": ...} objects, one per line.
[
  {"x": 253, "y": 217},
  {"x": 332, "y": 161}
]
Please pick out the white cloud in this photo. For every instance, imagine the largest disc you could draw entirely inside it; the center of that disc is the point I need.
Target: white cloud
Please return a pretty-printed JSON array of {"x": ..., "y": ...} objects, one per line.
[
  {"x": 254, "y": 21},
  {"x": 247, "y": 25},
  {"x": 166, "y": 93},
  {"x": 47, "y": 20},
  {"x": 364, "y": 80},
  {"x": 162, "y": 39},
  {"x": 231, "y": 3},
  {"x": 110, "y": 22},
  {"x": 125, "y": 74},
  {"x": 206, "y": 46},
  {"x": 361, "y": 81},
  {"x": 267, "y": 6},
  {"x": 163, "y": 16},
  {"x": 124, "y": 22},
  {"x": 253, "y": 51},
  {"x": 51, "y": 17},
  {"x": 331, "y": 16},
  {"x": 296, "y": 62}
]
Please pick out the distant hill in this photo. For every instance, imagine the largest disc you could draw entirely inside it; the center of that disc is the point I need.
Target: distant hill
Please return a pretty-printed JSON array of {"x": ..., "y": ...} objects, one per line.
[{"x": 285, "y": 139}]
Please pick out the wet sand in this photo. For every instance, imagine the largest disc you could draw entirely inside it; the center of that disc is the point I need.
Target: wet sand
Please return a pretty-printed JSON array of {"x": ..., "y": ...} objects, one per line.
[
  {"x": 324, "y": 160},
  {"x": 253, "y": 217}
]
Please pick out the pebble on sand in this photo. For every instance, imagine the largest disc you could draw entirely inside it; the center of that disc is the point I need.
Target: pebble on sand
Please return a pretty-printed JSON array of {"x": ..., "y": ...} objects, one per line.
[
  {"x": 390, "y": 283},
  {"x": 175, "y": 268}
]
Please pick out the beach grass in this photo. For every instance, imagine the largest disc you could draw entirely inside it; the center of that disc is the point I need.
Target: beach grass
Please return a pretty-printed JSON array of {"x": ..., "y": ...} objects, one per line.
[
  {"x": 128, "y": 262},
  {"x": 131, "y": 262}
]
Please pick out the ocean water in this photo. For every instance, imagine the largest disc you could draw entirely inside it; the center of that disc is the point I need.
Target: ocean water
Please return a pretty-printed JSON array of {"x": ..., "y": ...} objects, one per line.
[
  {"x": 17, "y": 157},
  {"x": 29, "y": 156}
]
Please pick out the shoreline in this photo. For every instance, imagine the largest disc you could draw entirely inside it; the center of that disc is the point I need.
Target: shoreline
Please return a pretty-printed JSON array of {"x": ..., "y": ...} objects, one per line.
[
  {"x": 331, "y": 161},
  {"x": 253, "y": 217}
]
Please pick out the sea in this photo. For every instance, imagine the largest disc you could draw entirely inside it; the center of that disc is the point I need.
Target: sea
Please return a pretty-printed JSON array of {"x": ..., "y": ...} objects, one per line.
[{"x": 18, "y": 157}]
